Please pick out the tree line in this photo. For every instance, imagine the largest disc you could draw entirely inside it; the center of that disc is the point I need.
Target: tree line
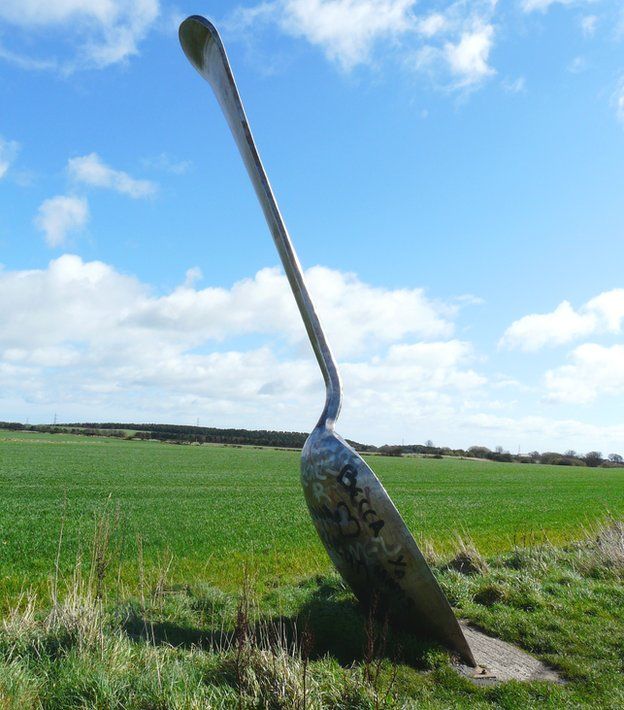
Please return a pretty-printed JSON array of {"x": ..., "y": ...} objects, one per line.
[
  {"x": 177, "y": 433},
  {"x": 187, "y": 434}
]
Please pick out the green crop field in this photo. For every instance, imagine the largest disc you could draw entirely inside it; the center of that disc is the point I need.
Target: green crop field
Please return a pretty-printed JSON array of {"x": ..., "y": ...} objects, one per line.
[
  {"x": 215, "y": 508},
  {"x": 147, "y": 575}
]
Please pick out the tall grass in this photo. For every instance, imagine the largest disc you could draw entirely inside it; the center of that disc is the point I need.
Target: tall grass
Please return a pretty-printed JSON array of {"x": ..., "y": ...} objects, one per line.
[
  {"x": 87, "y": 649},
  {"x": 88, "y": 644}
]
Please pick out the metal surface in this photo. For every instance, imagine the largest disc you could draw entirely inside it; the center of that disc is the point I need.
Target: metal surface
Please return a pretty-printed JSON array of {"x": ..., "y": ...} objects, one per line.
[{"x": 361, "y": 529}]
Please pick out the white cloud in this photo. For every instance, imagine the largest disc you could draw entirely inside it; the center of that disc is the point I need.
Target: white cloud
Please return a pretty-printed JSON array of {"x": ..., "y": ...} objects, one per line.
[
  {"x": 88, "y": 342},
  {"x": 602, "y": 314},
  {"x": 91, "y": 170},
  {"x": 346, "y": 30},
  {"x": 588, "y": 25},
  {"x": 594, "y": 370},
  {"x": 104, "y": 301},
  {"x": 193, "y": 275},
  {"x": 431, "y": 25},
  {"x": 537, "y": 330},
  {"x": 8, "y": 153},
  {"x": 60, "y": 215},
  {"x": 359, "y": 317},
  {"x": 103, "y": 31},
  {"x": 609, "y": 310},
  {"x": 459, "y": 35},
  {"x": 83, "y": 335},
  {"x": 420, "y": 367},
  {"x": 25, "y": 62},
  {"x": 468, "y": 58},
  {"x": 543, "y": 433}
]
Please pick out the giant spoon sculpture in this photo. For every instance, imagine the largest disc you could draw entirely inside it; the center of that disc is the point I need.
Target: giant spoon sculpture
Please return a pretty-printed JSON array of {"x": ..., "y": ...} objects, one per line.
[{"x": 361, "y": 529}]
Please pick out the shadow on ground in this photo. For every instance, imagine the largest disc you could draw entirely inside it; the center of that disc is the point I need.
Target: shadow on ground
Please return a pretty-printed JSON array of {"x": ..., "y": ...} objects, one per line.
[{"x": 326, "y": 620}]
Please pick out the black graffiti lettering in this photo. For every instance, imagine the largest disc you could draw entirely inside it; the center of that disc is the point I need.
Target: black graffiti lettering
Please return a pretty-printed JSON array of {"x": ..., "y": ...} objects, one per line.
[
  {"x": 346, "y": 522},
  {"x": 347, "y": 478},
  {"x": 399, "y": 565},
  {"x": 376, "y": 526},
  {"x": 367, "y": 513},
  {"x": 399, "y": 562},
  {"x": 365, "y": 502}
]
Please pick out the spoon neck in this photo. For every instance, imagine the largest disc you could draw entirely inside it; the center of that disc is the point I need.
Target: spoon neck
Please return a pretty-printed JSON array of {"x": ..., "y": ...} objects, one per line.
[
  {"x": 333, "y": 404},
  {"x": 294, "y": 274}
]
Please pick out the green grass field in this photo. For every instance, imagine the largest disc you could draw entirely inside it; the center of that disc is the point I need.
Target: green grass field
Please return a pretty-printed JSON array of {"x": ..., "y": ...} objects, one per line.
[
  {"x": 163, "y": 623},
  {"x": 213, "y": 508}
]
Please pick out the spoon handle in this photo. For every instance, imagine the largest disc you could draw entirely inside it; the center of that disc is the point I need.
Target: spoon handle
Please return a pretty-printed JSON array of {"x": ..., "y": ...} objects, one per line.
[{"x": 203, "y": 47}]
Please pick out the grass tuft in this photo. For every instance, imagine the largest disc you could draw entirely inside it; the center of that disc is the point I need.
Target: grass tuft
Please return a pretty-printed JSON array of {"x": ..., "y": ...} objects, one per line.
[
  {"x": 467, "y": 559},
  {"x": 606, "y": 547}
]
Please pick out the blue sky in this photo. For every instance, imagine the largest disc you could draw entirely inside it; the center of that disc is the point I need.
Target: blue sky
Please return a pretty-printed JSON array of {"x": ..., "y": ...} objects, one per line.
[{"x": 450, "y": 172}]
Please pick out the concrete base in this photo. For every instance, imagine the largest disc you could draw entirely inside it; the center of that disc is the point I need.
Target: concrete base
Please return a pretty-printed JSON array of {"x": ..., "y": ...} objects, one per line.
[{"x": 500, "y": 661}]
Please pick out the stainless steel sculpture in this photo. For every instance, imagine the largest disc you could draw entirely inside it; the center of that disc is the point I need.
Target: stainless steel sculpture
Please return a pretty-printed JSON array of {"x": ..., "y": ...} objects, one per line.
[{"x": 361, "y": 529}]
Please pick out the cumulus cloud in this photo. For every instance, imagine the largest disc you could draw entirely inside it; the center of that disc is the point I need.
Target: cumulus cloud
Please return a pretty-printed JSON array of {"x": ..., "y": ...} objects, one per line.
[
  {"x": 58, "y": 216},
  {"x": 108, "y": 340},
  {"x": 431, "y": 25},
  {"x": 358, "y": 316},
  {"x": 456, "y": 39},
  {"x": 346, "y": 29},
  {"x": 88, "y": 342},
  {"x": 593, "y": 370},
  {"x": 102, "y": 32},
  {"x": 8, "y": 153},
  {"x": 91, "y": 170},
  {"x": 602, "y": 314},
  {"x": 101, "y": 300},
  {"x": 468, "y": 58},
  {"x": 544, "y": 433},
  {"x": 437, "y": 366}
]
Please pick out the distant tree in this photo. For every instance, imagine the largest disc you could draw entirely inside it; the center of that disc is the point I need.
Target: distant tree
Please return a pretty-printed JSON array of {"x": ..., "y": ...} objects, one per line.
[
  {"x": 499, "y": 450},
  {"x": 498, "y": 456},
  {"x": 429, "y": 443},
  {"x": 550, "y": 457},
  {"x": 616, "y": 458},
  {"x": 593, "y": 458},
  {"x": 387, "y": 450},
  {"x": 479, "y": 452},
  {"x": 554, "y": 458},
  {"x": 571, "y": 453}
]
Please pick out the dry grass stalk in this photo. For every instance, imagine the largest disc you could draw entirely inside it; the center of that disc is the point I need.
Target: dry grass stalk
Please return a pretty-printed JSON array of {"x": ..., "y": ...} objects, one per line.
[{"x": 467, "y": 559}]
